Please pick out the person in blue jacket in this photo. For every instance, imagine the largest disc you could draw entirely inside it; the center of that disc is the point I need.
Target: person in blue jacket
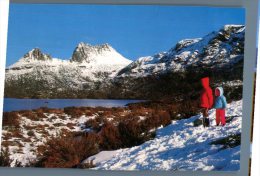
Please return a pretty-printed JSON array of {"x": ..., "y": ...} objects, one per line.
[{"x": 220, "y": 106}]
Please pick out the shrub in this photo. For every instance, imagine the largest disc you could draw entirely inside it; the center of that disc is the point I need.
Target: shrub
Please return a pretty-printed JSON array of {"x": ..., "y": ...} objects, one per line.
[
  {"x": 71, "y": 125},
  {"x": 130, "y": 133},
  {"x": 110, "y": 137},
  {"x": 30, "y": 133},
  {"x": 11, "y": 119},
  {"x": 67, "y": 151},
  {"x": 157, "y": 119},
  {"x": 16, "y": 133},
  {"x": 58, "y": 124},
  {"x": 94, "y": 124},
  {"x": 30, "y": 115},
  {"x": 188, "y": 108},
  {"x": 40, "y": 115},
  {"x": 26, "y": 139},
  {"x": 54, "y": 111},
  {"x": 74, "y": 112},
  {"x": 5, "y": 160}
]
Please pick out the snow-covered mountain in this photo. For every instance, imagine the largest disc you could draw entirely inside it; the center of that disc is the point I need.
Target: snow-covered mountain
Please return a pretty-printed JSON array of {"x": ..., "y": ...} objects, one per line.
[
  {"x": 221, "y": 49},
  {"x": 86, "y": 59},
  {"x": 87, "y": 65},
  {"x": 181, "y": 147},
  {"x": 95, "y": 71},
  {"x": 98, "y": 55}
]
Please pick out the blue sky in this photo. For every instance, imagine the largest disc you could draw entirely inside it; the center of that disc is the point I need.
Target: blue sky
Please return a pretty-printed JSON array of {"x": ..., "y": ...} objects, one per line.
[{"x": 134, "y": 31}]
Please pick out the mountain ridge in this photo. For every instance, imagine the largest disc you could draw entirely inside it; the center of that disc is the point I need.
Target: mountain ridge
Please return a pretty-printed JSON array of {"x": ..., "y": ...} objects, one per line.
[
  {"x": 217, "y": 49},
  {"x": 101, "y": 72}
]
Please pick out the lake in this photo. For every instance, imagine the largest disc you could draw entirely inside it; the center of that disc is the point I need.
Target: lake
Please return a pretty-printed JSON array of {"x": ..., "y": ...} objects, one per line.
[{"x": 13, "y": 104}]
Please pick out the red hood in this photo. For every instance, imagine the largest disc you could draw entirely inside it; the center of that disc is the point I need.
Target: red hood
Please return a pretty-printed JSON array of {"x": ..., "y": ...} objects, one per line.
[{"x": 205, "y": 82}]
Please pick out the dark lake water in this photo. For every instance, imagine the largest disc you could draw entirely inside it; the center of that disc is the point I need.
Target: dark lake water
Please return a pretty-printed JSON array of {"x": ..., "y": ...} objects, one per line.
[{"x": 13, "y": 104}]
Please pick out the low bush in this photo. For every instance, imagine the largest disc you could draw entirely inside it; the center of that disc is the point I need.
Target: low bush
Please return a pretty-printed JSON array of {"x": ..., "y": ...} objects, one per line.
[
  {"x": 96, "y": 123},
  {"x": 110, "y": 137},
  {"x": 187, "y": 109},
  {"x": 11, "y": 119},
  {"x": 67, "y": 151},
  {"x": 93, "y": 124},
  {"x": 156, "y": 119},
  {"x": 130, "y": 133},
  {"x": 30, "y": 115},
  {"x": 70, "y": 125},
  {"x": 5, "y": 160},
  {"x": 74, "y": 112},
  {"x": 30, "y": 133}
]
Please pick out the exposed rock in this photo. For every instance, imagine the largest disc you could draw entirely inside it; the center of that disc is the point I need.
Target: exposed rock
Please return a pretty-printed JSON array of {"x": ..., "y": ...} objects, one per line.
[
  {"x": 36, "y": 54},
  {"x": 86, "y": 52}
]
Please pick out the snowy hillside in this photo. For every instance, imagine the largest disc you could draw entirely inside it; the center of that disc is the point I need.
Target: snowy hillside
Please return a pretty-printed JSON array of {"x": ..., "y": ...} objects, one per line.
[
  {"x": 180, "y": 146},
  {"x": 86, "y": 62},
  {"x": 221, "y": 49}
]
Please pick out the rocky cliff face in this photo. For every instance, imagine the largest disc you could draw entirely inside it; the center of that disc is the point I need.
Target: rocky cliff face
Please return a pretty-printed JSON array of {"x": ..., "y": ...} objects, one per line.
[
  {"x": 87, "y": 53},
  {"x": 36, "y": 54}
]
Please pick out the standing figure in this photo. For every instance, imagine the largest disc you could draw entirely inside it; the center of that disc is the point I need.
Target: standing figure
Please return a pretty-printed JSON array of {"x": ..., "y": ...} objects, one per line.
[
  {"x": 206, "y": 100},
  {"x": 220, "y": 105}
]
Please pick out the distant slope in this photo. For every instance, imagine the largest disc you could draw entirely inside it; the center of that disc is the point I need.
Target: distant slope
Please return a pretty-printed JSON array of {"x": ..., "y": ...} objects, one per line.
[
  {"x": 181, "y": 146},
  {"x": 217, "y": 50}
]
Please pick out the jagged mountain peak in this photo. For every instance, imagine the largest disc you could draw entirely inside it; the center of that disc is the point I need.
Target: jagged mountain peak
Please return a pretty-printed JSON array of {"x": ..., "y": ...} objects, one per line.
[
  {"x": 85, "y": 52},
  {"x": 36, "y": 54},
  {"x": 98, "y": 54},
  {"x": 87, "y": 45}
]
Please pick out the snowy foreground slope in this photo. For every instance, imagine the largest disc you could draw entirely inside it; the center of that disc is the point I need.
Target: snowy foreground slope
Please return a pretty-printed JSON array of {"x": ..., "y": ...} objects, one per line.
[{"x": 180, "y": 146}]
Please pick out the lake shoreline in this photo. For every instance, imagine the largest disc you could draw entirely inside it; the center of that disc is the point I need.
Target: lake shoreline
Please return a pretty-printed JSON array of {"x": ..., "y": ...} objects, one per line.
[{"x": 13, "y": 104}]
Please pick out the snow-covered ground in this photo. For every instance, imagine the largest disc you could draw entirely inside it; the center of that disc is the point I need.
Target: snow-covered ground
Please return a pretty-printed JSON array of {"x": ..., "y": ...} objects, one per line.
[
  {"x": 180, "y": 146},
  {"x": 36, "y": 132}
]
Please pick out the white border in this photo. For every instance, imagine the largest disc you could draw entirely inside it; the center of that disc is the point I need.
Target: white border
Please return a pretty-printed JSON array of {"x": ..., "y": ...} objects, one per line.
[
  {"x": 4, "y": 10},
  {"x": 250, "y": 55},
  {"x": 255, "y": 171}
]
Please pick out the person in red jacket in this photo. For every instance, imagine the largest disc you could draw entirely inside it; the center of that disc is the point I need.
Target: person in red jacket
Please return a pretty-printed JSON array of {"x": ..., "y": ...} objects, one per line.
[{"x": 206, "y": 99}]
